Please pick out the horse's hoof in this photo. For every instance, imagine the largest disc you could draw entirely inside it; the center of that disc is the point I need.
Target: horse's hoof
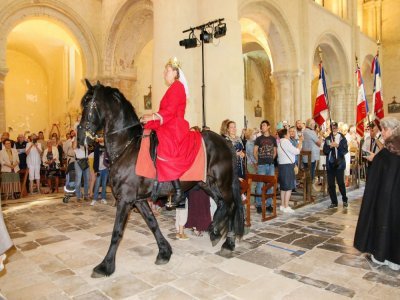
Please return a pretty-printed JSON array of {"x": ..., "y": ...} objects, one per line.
[
  {"x": 101, "y": 271},
  {"x": 225, "y": 252},
  {"x": 97, "y": 275},
  {"x": 162, "y": 260},
  {"x": 215, "y": 238}
]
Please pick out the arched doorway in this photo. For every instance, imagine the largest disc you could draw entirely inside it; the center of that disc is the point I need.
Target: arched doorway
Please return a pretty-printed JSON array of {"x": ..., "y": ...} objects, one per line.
[
  {"x": 266, "y": 35},
  {"x": 259, "y": 95},
  {"x": 43, "y": 85},
  {"x": 68, "y": 22}
]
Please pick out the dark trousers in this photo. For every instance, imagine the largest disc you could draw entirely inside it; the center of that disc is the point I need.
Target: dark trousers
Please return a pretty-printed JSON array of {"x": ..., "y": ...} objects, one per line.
[{"x": 339, "y": 176}]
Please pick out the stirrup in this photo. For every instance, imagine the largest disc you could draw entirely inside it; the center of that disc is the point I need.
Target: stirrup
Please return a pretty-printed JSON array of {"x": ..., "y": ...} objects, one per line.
[{"x": 173, "y": 203}]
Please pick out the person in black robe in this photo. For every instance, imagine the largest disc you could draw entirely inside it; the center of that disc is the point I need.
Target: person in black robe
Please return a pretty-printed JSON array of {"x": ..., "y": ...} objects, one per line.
[{"x": 378, "y": 227}]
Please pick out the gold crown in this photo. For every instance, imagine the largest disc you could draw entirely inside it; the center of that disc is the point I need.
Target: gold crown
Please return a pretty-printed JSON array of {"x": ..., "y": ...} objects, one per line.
[{"x": 174, "y": 62}]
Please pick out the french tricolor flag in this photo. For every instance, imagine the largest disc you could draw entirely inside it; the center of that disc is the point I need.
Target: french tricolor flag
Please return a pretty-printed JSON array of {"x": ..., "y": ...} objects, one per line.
[
  {"x": 362, "y": 104},
  {"x": 321, "y": 105},
  {"x": 377, "y": 98}
]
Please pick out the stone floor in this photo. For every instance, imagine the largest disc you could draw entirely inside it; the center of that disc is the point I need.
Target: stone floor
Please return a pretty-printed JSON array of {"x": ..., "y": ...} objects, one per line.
[{"x": 307, "y": 255}]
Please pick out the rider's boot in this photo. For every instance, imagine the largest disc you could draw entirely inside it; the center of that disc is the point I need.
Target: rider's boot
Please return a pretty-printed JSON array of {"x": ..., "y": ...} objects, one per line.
[{"x": 179, "y": 198}]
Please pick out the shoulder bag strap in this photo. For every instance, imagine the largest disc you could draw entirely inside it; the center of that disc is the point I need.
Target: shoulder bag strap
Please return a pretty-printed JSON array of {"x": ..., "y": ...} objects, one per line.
[{"x": 280, "y": 144}]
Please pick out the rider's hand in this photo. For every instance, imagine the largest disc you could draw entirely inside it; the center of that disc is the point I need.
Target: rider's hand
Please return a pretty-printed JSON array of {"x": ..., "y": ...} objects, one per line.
[{"x": 147, "y": 117}]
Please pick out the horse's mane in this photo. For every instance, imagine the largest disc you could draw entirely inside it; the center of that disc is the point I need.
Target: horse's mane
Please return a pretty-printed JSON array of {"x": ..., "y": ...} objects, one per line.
[
  {"x": 110, "y": 93},
  {"x": 118, "y": 96}
]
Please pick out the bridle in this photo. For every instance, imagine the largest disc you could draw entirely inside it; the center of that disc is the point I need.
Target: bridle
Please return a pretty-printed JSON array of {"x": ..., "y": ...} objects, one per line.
[{"x": 89, "y": 133}]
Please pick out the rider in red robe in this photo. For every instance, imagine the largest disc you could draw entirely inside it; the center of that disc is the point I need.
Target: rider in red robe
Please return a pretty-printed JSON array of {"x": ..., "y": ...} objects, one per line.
[{"x": 178, "y": 145}]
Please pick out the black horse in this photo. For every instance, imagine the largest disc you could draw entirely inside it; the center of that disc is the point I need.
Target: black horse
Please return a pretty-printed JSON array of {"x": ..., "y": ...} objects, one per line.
[{"x": 106, "y": 108}]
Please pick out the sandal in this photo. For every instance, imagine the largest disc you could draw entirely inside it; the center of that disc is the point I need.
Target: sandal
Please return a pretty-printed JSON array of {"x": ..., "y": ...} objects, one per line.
[
  {"x": 3, "y": 258},
  {"x": 183, "y": 237}
]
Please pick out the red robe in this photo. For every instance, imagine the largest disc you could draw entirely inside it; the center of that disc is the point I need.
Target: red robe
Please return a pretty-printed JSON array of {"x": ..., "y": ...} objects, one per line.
[{"x": 178, "y": 145}]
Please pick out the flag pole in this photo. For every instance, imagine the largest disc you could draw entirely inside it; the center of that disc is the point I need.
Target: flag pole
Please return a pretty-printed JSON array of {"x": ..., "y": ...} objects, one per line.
[
  {"x": 358, "y": 68},
  {"x": 325, "y": 91}
]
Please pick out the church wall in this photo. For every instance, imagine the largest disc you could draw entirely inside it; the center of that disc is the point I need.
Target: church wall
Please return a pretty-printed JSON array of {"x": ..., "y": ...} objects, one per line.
[
  {"x": 144, "y": 79},
  {"x": 27, "y": 98},
  {"x": 390, "y": 54},
  {"x": 260, "y": 92}
]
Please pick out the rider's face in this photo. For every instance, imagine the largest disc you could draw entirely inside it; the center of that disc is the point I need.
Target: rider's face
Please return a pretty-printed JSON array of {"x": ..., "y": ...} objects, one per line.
[{"x": 169, "y": 75}]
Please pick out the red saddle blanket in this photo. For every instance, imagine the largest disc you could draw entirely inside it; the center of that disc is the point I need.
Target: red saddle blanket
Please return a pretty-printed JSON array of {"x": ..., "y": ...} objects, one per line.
[{"x": 145, "y": 166}]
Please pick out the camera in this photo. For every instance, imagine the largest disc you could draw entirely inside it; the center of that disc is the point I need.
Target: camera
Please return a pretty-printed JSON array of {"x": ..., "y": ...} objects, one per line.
[{"x": 365, "y": 153}]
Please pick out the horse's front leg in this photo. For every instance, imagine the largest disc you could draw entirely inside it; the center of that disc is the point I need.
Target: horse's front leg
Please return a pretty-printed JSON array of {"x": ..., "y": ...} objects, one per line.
[
  {"x": 164, "y": 248},
  {"x": 107, "y": 266}
]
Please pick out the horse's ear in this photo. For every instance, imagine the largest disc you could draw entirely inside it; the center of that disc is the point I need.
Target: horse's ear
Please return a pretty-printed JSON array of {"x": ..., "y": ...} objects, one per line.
[
  {"x": 98, "y": 82},
  {"x": 89, "y": 86}
]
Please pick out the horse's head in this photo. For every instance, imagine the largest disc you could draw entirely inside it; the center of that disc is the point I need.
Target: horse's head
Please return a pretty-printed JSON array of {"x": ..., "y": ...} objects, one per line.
[{"x": 92, "y": 119}]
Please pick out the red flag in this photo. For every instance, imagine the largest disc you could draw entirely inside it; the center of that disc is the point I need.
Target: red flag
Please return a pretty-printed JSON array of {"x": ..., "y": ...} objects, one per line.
[
  {"x": 362, "y": 105},
  {"x": 321, "y": 106},
  {"x": 377, "y": 96}
]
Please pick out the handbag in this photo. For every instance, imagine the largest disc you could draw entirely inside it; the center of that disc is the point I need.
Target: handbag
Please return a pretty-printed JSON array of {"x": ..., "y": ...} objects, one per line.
[
  {"x": 83, "y": 163},
  {"x": 295, "y": 167}
]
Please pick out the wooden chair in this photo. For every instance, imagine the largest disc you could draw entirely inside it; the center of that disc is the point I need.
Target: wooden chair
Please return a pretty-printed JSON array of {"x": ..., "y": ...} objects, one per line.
[
  {"x": 269, "y": 182},
  {"x": 23, "y": 174},
  {"x": 305, "y": 176}
]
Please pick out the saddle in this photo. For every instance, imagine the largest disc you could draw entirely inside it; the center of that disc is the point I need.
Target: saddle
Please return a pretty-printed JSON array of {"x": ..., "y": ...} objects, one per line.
[{"x": 147, "y": 157}]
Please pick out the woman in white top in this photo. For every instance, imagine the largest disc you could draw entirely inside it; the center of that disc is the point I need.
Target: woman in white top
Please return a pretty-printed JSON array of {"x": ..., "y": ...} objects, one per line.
[
  {"x": 34, "y": 160},
  {"x": 9, "y": 158},
  {"x": 286, "y": 158}
]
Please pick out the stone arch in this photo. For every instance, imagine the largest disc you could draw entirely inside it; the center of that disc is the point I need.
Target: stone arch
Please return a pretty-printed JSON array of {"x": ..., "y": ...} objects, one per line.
[
  {"x": 19, "y": 11},
  {"x": 129, "y": 34},
  {"x": 280, "y": 38},
  {"x": 143, "y": 10},
  {"x": 334, "y": 57}
]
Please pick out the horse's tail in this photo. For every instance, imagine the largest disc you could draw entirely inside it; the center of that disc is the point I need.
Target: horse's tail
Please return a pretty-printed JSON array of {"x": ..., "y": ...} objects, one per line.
[{"x": 238, "y": 218}]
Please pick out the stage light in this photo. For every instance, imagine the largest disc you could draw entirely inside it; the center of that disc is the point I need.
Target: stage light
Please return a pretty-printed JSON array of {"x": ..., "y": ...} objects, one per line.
[
  {"x": 220, "y": 30},
  {"x": 206, "y": 36},
  {"x": 190, "y": 42}
]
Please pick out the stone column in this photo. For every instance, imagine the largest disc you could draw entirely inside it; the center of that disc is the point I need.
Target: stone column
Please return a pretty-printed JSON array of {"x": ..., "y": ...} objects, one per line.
[
  {"x": 342, "y": 103},
  {"x": 284, "y": 96},
  {"x": 299, "y": 102},
  {"x": 3, "y": 73}
]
